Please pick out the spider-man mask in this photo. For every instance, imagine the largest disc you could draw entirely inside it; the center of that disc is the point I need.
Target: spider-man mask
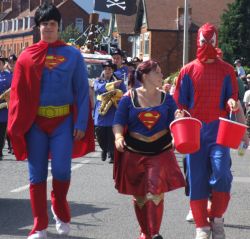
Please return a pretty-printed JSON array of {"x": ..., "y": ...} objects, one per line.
[{"x": 207, "y": 43}]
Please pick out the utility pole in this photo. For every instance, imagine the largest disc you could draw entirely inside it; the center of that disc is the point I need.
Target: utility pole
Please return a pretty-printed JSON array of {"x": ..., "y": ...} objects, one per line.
[{"x": 185, "y": 34}]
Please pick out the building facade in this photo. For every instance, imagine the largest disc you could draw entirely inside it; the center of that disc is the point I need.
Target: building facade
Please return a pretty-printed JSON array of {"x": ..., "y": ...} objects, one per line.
[
  {"x": 17, "y": 26},
  {"x": 156, "y": 30}
]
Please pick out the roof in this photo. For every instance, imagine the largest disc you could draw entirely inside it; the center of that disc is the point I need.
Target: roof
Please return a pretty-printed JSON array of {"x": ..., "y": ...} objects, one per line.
[
  {"x": 4, "y": 14},
  {"x": 27, "y": 12},
  {"x": 162, "y": 14}
]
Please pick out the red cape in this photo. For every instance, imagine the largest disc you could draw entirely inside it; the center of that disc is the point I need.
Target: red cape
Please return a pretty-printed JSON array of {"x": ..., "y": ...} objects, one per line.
[{"x": 25, "y": 97}]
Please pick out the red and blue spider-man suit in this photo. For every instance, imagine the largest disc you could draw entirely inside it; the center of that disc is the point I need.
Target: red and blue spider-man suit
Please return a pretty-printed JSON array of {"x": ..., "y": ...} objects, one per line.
[{"x": 204, "y": 87}]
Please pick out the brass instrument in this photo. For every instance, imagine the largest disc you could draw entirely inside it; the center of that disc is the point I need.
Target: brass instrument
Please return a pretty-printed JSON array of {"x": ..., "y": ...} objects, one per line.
[
  {"x": 108, "y": 99},
  {"x": 6, "y": 97}
]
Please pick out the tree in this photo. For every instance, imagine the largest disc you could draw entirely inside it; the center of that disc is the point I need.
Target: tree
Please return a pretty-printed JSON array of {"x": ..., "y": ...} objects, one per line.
[
  {"x": 234, "y": 32},
  {"x": 70, "y": 33}
]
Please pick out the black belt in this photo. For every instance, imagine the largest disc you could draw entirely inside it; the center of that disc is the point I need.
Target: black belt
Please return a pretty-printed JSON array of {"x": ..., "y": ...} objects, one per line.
[{"x": 149, "y": 148}]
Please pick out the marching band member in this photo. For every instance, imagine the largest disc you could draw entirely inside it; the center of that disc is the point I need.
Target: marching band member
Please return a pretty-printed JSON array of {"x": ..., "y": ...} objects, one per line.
[
  {"x": 5, "y": 83},
  {"x": 109, "y": 90}
]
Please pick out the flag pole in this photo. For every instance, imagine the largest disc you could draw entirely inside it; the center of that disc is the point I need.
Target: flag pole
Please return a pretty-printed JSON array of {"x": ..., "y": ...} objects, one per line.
[
  {"x": 93, "y": 6},
  {"x": 185, "y": 34}
]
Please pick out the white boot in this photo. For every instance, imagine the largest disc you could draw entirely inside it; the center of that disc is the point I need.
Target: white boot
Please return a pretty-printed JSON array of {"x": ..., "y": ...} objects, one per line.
[
  {"x": 203, "y": 233},
  {"x": 62, "y": 228},
  {"x": 38, "y": 235},
  {"x": 189, "y": 217},
  {"x": 217, "y": 225}
]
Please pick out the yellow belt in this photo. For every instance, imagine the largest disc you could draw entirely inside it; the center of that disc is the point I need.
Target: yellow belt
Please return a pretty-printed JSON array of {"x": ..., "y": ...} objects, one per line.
[{"x": 53, "y": 111}]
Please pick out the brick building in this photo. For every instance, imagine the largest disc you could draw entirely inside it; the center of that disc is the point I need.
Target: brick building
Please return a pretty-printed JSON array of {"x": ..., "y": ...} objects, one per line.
[
  {"x": 156, "y": 30},
  {"x": 17, "y": 26}
]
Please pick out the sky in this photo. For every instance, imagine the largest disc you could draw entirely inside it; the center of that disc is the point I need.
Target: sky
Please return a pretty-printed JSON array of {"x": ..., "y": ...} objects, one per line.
[{"x": 88, "y": 5}]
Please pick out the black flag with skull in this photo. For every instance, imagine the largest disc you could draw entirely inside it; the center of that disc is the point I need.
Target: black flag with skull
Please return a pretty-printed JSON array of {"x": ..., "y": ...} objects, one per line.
[{"x": 124, "y": 7}]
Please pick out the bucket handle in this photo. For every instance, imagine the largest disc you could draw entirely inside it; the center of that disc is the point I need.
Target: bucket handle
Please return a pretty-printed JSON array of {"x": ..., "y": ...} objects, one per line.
[
  {"x": 187, "y": 113},
  {"x": 230, "y": 115}
]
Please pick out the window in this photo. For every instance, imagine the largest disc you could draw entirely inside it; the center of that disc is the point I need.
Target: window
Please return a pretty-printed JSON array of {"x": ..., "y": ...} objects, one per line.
[
  {"x": 136, "y": 46},
  {"x": 144, "y": 20},
  {"x": 146, "y": 43},
  {"x": 79, "y": 24},
  {"x": 13, "y": 25},
  {"x": 24, "y": 23}
]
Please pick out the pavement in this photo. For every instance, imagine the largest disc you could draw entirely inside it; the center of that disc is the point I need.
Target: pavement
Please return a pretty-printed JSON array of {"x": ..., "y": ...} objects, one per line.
[{"x": 99, "y": 212}]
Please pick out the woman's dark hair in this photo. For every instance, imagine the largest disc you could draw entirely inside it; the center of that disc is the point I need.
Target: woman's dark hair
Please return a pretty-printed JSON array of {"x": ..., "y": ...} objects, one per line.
[
  {"x": 143, "y": 68},
  {"x": 46, "y": 12}
]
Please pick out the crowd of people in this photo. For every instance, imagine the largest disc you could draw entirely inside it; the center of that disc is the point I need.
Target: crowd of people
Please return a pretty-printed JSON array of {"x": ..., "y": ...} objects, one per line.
[{"x": 131, "y": 120}]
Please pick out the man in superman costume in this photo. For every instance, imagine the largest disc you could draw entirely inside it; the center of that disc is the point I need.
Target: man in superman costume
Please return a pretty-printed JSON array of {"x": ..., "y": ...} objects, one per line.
[
  {"x": 49, "y": 85},
  {"x": 207, "y": 88}
]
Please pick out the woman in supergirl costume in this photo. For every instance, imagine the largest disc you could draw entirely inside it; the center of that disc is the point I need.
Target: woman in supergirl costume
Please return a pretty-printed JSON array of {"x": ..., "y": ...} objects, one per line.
[{"x": 145, "y": 165}]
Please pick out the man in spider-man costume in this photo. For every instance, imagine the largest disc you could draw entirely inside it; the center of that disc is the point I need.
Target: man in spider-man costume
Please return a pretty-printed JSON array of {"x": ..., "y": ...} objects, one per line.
[{"x": 207, "y": 88}]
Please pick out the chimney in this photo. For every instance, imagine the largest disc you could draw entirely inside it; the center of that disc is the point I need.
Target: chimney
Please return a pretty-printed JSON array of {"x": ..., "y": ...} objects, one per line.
[
  {"x": 34, "y": 4},
  {"x": 24, "y": 5}
]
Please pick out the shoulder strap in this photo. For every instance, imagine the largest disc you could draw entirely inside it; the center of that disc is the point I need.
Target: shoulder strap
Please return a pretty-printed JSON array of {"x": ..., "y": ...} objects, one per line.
[{"x": 135, "y": 98}]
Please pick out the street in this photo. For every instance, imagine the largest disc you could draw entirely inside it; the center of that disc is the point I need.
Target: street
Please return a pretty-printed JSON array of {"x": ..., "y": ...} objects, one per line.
[{"x": 99, "y": 212}]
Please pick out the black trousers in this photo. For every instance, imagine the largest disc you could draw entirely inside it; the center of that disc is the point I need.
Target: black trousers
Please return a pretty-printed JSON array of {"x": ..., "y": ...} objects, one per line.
[
  {"x": 3, "y": 126},
  {"x": 248, "y": 121},
  {"x": 105, "y": 138}
]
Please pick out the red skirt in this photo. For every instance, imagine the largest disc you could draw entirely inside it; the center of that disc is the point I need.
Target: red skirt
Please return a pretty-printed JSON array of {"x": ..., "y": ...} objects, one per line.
[{"x": 137, "y": 174}]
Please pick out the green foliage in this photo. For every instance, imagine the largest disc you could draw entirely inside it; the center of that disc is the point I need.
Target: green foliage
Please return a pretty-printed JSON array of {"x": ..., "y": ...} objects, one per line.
[
  {"x": 70, "y": 33},
  {"x": 247, "y": 69},
  {"x": 171, "y": 78},
  {"x": 234, "y": 33}
]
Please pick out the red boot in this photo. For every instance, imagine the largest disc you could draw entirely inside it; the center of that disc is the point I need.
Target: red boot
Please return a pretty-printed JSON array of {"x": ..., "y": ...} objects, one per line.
[
  {"x": 59, "y": 200},
  {"x": 219, "y": 204},
  {"x": 38, "y": 199},
  {"x": 154, "y": 217},
  {"x": 200, "y": 214},
  {"x": 141, "y": 215}
]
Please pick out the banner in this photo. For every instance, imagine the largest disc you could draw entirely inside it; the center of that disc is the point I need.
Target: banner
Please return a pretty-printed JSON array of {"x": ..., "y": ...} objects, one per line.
[{"x": 124, "y": 7}]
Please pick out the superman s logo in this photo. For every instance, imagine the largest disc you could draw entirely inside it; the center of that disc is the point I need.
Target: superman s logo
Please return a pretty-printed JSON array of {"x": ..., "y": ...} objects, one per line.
[
  {"x": 52, "y": 61},
  {"x": 149, "y": 119}
]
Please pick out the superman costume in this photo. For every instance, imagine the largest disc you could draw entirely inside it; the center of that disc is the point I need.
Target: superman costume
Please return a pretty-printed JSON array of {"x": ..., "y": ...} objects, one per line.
[
  {"x": 148, "y": 167},
  {"x": 49, "y": 99},
  {"x": 204, "y": 87}
]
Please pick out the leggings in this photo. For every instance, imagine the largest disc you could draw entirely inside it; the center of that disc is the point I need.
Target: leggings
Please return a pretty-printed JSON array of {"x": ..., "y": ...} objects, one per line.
[{"x": 58, "y": 146}]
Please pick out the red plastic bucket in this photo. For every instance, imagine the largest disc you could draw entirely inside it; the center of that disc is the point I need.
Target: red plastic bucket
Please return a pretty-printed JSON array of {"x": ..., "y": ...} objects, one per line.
[
  {"x": 186, "y": 134},
  {"x": 230, "y": 133}
]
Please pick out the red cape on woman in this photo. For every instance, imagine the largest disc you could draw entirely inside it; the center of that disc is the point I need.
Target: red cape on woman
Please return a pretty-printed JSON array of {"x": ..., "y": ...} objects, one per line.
[{"x": 25, "y": 97}]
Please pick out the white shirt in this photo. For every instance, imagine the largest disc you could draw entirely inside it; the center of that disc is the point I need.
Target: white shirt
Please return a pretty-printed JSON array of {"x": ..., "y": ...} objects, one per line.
[{"x": 246, "y": 99}]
